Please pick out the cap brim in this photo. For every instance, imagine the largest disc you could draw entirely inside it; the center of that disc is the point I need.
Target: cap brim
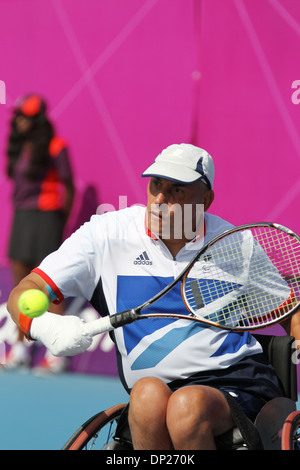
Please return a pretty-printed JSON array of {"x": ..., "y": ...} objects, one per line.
[{"x": 173, "y": 172}]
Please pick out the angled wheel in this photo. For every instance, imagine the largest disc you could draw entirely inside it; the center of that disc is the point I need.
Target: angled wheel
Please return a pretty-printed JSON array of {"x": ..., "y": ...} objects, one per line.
[
  {"x": 291, "y": 432},
  {"x": 95, "y": 433}
]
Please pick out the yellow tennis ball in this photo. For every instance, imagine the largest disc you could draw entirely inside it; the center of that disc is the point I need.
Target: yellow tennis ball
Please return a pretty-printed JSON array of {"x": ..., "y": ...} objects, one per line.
[{"x": 33, "y": 303}]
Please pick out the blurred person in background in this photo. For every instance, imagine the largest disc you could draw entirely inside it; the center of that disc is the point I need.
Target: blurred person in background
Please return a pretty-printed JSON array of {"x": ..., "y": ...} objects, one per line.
[{"x": 39, "y": 167}]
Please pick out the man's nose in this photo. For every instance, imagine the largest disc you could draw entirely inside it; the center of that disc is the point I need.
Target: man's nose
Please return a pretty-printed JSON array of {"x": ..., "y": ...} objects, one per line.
[{"x": 160, "y": 198}]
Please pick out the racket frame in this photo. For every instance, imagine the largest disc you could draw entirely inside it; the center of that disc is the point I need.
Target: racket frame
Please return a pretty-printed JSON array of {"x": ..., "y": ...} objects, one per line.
[{"x": 220, "y": 237}]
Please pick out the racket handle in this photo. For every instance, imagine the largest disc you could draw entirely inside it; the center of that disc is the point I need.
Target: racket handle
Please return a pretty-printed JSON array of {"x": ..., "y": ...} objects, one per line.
[
  {"x": 110, "y": 322},
  {"x": 98, "y": 326}
]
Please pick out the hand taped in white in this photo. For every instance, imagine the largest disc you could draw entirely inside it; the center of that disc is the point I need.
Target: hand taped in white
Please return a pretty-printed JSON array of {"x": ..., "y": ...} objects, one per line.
[{"x": 62, "y": 335}]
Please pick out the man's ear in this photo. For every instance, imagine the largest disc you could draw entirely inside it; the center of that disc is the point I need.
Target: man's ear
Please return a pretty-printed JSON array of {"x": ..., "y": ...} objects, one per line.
[{"x": 208, "y": 199}]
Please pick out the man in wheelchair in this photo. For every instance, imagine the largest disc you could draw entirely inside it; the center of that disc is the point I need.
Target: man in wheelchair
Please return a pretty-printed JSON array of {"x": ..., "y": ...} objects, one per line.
[{"x": 184, "y": 381}]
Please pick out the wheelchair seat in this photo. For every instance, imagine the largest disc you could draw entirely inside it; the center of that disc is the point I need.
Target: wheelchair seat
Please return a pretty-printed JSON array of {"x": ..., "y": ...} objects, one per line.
[{"x": 280, "y": 351}]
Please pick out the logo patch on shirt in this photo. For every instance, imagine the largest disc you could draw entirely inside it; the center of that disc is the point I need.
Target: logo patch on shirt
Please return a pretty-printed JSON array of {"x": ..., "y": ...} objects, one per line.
[{"x": 143, "y": 258}]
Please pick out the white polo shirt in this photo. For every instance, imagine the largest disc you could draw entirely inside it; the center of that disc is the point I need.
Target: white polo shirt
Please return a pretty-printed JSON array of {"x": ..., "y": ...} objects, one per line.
[{"x": 115, "y": 263}]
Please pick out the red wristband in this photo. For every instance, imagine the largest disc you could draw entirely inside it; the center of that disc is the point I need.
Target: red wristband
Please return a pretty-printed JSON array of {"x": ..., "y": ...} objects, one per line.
[
  {"x": 25, "y": 324},
  {"x": 53, "y": 286}
]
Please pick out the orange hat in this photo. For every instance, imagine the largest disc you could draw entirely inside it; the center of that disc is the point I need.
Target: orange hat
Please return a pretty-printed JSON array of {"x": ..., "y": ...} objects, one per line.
[{"x": 31, "y": 105}]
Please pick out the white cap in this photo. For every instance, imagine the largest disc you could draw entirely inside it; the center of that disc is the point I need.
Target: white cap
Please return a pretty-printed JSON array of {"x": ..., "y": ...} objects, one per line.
[{"x": 183, "y": 163}]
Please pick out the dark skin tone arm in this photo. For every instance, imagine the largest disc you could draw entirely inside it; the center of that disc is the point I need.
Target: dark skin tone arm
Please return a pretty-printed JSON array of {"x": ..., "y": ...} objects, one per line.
[
  {"x": 32, "y": 281},
  {"x": 292, "y": 327}
]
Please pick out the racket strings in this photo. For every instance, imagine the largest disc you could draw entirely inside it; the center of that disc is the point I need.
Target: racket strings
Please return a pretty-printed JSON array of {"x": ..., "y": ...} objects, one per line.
[{"x": 250, "y": 277}]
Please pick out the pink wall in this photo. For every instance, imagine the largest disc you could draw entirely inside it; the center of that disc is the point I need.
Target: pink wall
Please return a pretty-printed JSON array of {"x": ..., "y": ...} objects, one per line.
[{"x": 124, "y": 79}]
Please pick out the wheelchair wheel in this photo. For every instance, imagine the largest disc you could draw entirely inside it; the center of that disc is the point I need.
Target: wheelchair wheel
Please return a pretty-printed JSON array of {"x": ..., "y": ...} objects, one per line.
[
  {"x": 291, "y": 432},
  {"x": 95, "y": 433}
]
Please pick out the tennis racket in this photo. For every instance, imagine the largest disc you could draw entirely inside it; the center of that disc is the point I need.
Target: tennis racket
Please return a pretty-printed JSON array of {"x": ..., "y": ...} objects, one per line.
[{"x": 244, "y": 279}]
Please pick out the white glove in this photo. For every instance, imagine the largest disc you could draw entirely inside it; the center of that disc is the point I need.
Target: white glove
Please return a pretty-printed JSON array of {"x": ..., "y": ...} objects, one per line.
[{"x": 62, "y": 335}]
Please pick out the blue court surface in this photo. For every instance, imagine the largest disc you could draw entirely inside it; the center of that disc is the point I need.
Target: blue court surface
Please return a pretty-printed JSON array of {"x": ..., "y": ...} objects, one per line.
[{"x": 41, "y": 413}]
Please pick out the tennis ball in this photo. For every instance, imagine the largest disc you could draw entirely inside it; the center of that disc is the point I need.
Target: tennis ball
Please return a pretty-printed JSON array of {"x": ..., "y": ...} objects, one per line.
[{"x": 33, "y": 303}]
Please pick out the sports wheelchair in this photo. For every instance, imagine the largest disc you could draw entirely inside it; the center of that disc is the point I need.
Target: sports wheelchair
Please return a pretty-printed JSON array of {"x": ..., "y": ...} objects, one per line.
[{"x": 277, "y": 426}]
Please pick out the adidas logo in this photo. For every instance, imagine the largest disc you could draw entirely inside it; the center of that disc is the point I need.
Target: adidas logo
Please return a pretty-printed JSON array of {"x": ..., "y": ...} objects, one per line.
[{"x": 143, "y": 259}]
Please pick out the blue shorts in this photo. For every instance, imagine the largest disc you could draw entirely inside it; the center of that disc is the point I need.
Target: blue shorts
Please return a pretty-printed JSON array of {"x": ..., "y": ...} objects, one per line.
[
  {"x": 252, "y": 382},
  {"x": 250, "y": 404}
]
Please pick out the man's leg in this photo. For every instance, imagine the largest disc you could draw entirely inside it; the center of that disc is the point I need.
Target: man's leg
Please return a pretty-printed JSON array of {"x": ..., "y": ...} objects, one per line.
[
  {"x": 195, "y": 415},
  {"x": 147, "y": 415}
]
